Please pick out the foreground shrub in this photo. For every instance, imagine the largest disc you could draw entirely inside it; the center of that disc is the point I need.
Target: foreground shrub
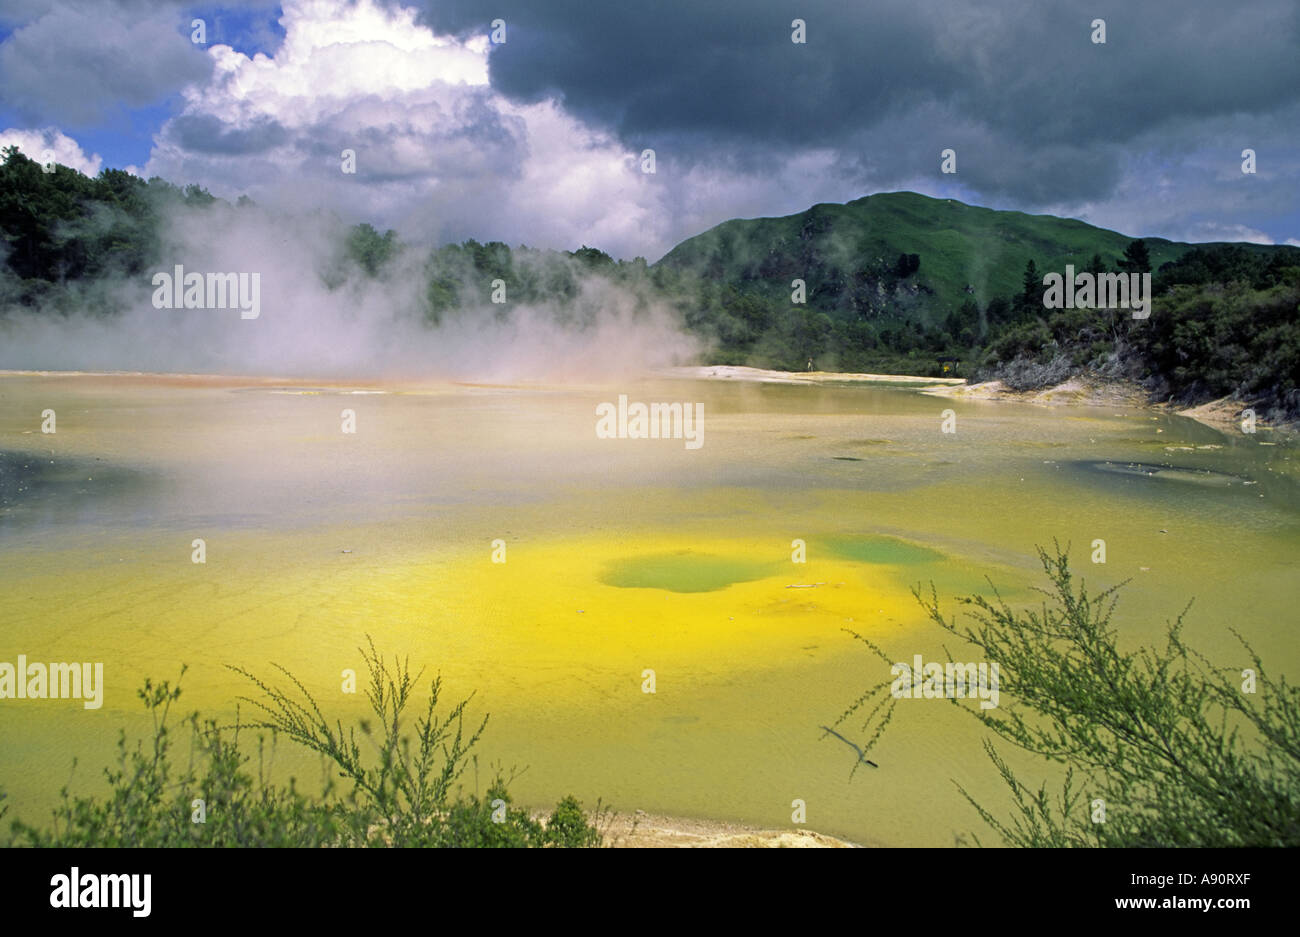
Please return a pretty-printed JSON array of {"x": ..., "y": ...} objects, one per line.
[
  {"x": 402, "y": 794},
  {"x": 1160, "y": 747}
]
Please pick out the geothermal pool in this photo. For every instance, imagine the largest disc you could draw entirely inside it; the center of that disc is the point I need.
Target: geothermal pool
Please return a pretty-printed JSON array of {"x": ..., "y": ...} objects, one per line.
[{"x": 621, "y": 556}]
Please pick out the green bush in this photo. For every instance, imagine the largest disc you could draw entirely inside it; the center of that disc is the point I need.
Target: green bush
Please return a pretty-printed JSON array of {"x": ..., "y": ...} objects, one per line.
[
  {"x": 1179, "y": 752},
  {"x": 401, "y": 791}
]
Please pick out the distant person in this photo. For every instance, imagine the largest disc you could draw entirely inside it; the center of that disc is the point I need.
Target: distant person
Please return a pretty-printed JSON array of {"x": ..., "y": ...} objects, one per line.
[{"x": 809, "y": 364}]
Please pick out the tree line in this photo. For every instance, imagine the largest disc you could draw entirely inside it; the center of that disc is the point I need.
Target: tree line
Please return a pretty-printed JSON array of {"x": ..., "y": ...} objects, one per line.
[{"x": 1224, "y": 319}]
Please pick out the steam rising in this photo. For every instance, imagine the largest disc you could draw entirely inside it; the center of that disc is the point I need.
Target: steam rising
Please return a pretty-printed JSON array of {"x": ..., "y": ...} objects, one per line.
[{"x": 322, "y": 316}]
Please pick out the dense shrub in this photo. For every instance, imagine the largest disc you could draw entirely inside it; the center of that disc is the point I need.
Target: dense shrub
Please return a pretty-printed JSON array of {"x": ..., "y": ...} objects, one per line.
[
  {"x": 1160, "y": 747},
  {"x": 404, "y": 793}
]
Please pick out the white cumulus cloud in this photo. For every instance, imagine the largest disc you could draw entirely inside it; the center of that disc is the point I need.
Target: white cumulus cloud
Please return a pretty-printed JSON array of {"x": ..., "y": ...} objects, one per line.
[
  {"x": 439, "y": 155},
  {"x": 51, "y": 144}
]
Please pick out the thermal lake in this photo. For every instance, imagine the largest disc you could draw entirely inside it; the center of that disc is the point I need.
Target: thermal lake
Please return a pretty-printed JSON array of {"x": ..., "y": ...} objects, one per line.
[{"x": 621, "y": 556}]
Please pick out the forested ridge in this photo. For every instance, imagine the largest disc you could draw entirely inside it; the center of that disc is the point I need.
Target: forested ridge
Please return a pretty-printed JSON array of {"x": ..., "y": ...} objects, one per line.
[{"x": 895, "y": 283}]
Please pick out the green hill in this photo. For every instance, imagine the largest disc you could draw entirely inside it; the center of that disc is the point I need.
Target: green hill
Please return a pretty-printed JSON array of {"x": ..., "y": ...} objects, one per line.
[{"x": 849, "y": 254}]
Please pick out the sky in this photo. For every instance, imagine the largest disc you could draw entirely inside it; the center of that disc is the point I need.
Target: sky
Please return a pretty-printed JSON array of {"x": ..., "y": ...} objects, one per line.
[{"x": 540, "y": 139}]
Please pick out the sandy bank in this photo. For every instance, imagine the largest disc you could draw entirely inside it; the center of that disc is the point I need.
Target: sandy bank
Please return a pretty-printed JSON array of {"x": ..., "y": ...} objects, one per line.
[
  {"x": 731, "y": 372},
  {"x": 649, "y": 831},
  {"x": 1076, "y": 392},
  {"x": 1223, "y": 414}
]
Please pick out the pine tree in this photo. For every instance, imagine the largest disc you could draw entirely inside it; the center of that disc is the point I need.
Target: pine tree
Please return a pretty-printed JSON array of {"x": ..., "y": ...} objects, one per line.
[
  {"x": 1031, "y": 296},
  {"x": 1136, "y": 258}
]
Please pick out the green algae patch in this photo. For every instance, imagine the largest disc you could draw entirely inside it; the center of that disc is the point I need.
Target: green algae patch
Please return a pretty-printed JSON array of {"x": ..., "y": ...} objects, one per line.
[
  {"x": 683, "y": 571},
  {"x": 887, "y": 551}
]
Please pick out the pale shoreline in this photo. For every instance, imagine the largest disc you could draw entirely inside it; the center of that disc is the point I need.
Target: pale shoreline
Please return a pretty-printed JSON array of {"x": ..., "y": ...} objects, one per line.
[
  {"x": 700, "y": 372},
  {"x": 1223, "y": 414},
  {"x": 641, "y": 830},
  {"x": 736, "y": 372}
]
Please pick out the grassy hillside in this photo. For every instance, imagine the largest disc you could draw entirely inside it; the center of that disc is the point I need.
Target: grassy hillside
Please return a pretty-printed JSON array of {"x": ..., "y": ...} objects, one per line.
[{"x": 848, "y": 254}]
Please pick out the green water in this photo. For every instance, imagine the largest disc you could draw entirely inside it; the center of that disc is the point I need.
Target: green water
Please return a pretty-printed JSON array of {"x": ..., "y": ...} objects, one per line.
[
  {"x": 684, "y": 571},
  {"x": 886, "y": 550}
]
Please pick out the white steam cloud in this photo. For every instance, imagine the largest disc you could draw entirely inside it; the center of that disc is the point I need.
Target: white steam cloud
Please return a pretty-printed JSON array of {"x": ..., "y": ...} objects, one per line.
[{"x": 321, "y": 316}]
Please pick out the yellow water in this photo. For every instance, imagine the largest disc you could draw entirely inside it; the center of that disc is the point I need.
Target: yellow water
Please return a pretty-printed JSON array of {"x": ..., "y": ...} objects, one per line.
[{"x": 621, "y": 556}]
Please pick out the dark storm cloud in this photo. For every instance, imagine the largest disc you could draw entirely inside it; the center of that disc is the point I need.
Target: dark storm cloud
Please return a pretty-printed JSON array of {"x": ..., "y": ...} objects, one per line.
[
  {"x": 725, "y": 69},
  {"x": 1037, "y": 112}
]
